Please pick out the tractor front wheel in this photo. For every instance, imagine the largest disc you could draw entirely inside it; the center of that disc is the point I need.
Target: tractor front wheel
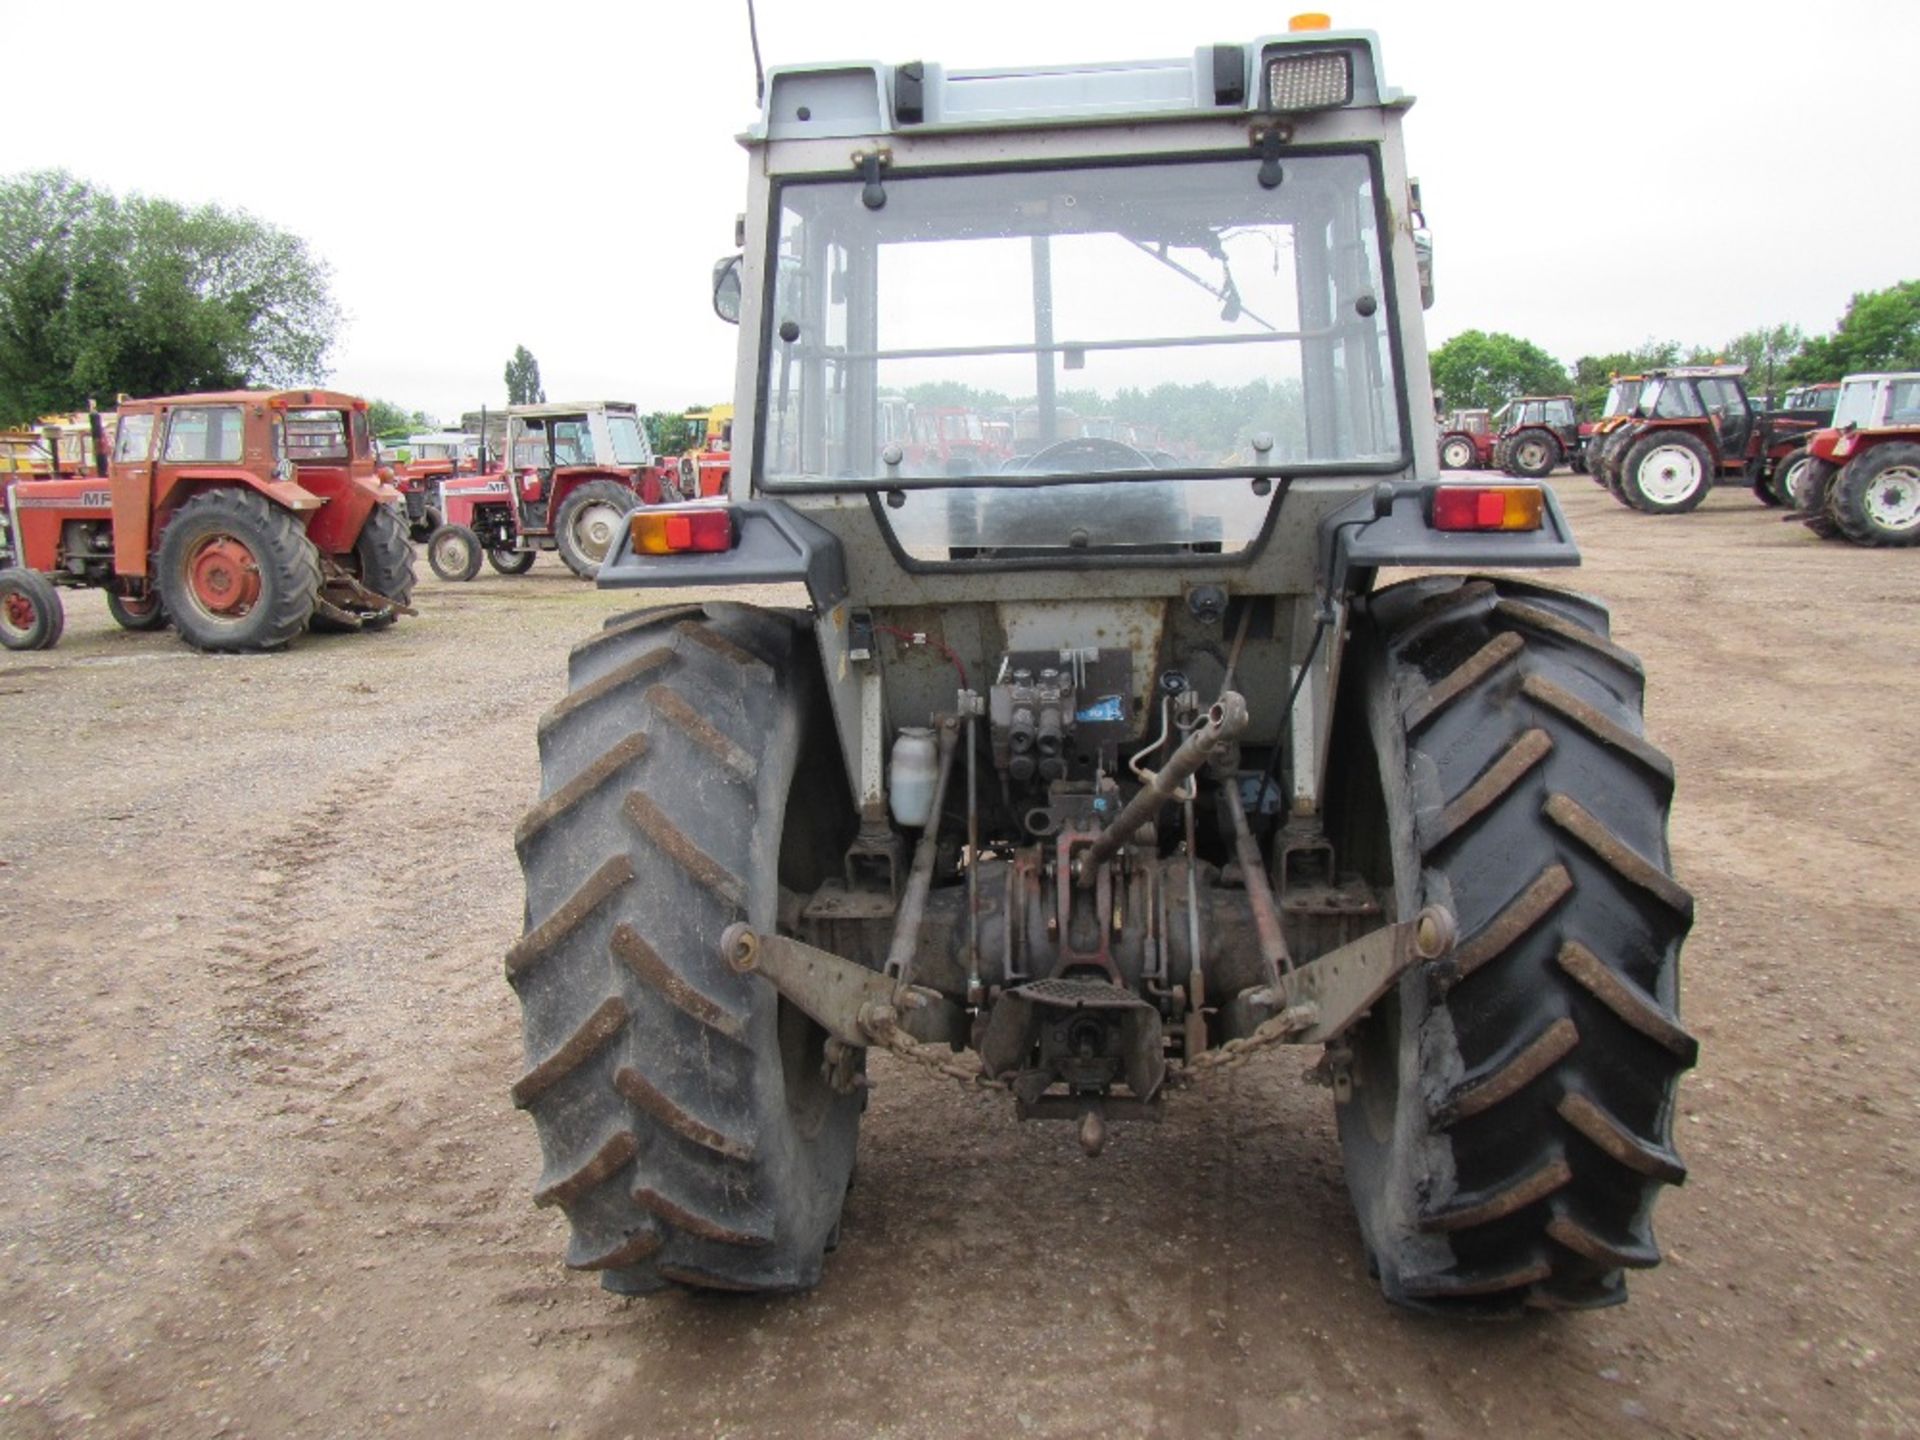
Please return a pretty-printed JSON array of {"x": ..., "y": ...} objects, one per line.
[
  {"x": 1508, "y": 1122},
  {"x": 589, "y": 523},
  {"x": 454, "y": 553},
  {"x": 1666, "y": 474},
  {"x": 31, "y": 615},
  {"x": 137, "y": 612},
  {"x": 687, "y": 1126},
  {"x": 237, "y": 572},
  {"x": 1875, "y": 499},
  {"x": 511, "y": 562}
]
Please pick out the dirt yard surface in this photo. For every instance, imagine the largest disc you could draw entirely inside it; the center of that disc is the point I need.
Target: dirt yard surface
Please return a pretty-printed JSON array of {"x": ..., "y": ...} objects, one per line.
[{"x": 259, "y": 1175}]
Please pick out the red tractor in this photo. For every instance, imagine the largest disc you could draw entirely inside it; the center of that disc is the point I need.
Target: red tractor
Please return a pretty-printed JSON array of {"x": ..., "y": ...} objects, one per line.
[
  {"x": 572, "y": 473},
  {"x": 1466, "y": 440},
  {"x": 1690, "y": 428},
  {"x": 1863, "y": 475},
  {"x": 241, "y": 517},
  {"x": 1534, "y": 434},
  {"x": 430, "y": 459},
  {"x": 702, "y": 472}
]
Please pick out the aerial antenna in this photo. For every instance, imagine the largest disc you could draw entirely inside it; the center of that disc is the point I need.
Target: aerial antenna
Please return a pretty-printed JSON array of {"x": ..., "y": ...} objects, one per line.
[{"x": 759, "y": 75}]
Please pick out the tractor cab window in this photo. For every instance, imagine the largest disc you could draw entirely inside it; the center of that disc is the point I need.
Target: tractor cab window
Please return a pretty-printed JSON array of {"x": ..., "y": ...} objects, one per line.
[
  {"x": 1903, "y": 403},
  {"x": 1723, "y": 398},
  {"x": 362, "y": 437},
  {"x": 315, "y": 437},
  {"x": 547, "y": 444},
  {"x": 1240, "y": 330},
  {"x": 204, "y": 435},
  {"x": 629, "y": 441},
  {"x": 1560, "y": 412},
  {"x": 1671, "y": 400},
  {"x": 1503, "y": 418},
  {"x": 134, "y": 443},
  {"x": 1855, "y": 405},
  {"x": 1621, "y": 396}
]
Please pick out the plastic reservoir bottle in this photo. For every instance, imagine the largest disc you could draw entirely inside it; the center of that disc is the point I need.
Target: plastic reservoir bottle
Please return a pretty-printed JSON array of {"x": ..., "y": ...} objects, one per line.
[{"x": 915, "y": 767}]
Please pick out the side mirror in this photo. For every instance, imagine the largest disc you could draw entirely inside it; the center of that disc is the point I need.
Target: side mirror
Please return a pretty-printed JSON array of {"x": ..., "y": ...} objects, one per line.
[{"x": 726, "y": 289}]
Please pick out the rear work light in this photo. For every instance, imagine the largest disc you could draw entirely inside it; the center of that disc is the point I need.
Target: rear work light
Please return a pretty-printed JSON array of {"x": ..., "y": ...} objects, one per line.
[
  {"x": 1318, "y": 80},
  {"x": 665, "y": 531},
  {"x": 1487, "y": 507}
]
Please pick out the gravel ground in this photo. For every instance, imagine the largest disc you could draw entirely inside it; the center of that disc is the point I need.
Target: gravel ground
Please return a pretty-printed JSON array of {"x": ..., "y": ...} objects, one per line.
[{"x": 259, "y": 1174}]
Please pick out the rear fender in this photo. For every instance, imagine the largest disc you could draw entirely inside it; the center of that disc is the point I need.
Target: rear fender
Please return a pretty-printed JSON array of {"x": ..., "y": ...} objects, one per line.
[
  {"x": 1390, "y": 525},
  {"x": 570, "y": 478}
]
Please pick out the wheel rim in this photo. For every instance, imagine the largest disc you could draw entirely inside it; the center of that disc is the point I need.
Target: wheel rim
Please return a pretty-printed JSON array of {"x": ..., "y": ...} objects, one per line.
[
  {"x": 1791, "y": 482},
  {"x": 1530, "y": 454},
  {"x": 18, "y": 614},
  {"x": 1893, "y": 500},
  {"x": 138, "y": 608},
  {"x": 223, "y": 577},
  {"x": 1457, "y": 455},
  {"x": 453, "y": 554},
  {"x": 594, "y": 529},
  {"x": 1669, "y": 474}
]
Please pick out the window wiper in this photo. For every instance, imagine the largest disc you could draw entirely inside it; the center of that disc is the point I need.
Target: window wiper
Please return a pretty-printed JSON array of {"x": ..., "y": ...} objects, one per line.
[{"x": 1227, "y": 294}]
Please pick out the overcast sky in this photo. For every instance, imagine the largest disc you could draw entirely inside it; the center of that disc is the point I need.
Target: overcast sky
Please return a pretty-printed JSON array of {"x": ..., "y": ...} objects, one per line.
[{"x": 1595, "y": 175}]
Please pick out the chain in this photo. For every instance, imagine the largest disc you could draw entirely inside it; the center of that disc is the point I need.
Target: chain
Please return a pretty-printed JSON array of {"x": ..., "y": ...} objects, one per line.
[
  {"x": 881, "y": 1023},
  {"x": 1274, "y": 1031},
  {"x": 939, "y": 1060}
]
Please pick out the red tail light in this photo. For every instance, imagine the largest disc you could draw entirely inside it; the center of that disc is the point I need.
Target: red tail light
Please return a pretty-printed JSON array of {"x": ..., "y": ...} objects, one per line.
[
  {"x": 1487, "y": 507},
  {"x": 669, "y": 531}
]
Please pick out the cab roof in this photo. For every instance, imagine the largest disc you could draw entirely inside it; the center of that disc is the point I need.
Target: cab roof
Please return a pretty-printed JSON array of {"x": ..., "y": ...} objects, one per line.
[
  {"x": 316, "y": 399},
  {"x": 867, "y": 97},
  {"x": 570, "y": 407}
]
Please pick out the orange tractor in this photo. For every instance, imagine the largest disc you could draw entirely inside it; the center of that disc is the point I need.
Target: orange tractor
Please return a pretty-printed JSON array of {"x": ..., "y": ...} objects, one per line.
[{"x": 242, "y": 517}]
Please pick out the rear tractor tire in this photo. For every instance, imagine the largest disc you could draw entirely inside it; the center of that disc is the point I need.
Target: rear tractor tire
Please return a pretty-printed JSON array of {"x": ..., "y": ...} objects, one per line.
[
  {"x": 1666, "y": 473},
  {"x": 382, "y": 560},
  {"x": 1457, "y": 453},
  {"x": 589, "y": 524},
  {"x": 236, "y": 572},
  {"x": 685, "y": 1122},
  {"x": 1532, "y": 454},
  {"x": 1508, "y": 1125},
  {"x": 137, "y": 613},
  {"x": 454, "y": 553},
  {"x": 1876, "y": 498},
  {"x": 31, "y": 615}
]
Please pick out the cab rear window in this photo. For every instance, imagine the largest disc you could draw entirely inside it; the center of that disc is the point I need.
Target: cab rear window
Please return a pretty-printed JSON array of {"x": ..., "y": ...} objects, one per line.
[
  {"x": 204, "y": 434},
  {"x": 316, "y": 435}
]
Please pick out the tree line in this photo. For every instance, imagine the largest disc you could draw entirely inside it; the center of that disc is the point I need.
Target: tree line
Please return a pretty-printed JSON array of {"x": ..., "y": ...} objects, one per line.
[{"x": 1879, "y": 331}]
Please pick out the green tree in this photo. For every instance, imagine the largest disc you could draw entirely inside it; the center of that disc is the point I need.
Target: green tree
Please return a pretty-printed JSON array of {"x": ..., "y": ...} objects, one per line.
[
  {"x": 389, "y": 419},
  {"x": 101, "y": 295},
  {"x": 1880, "y": 331},
  {"x": 523, "y": 379},
  {"x": 1476, "y": 368},
  {"x": 1592, "y": 374},
  {"x": 670, "y": 432},
  {"x": 1766, "y": 353}
]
